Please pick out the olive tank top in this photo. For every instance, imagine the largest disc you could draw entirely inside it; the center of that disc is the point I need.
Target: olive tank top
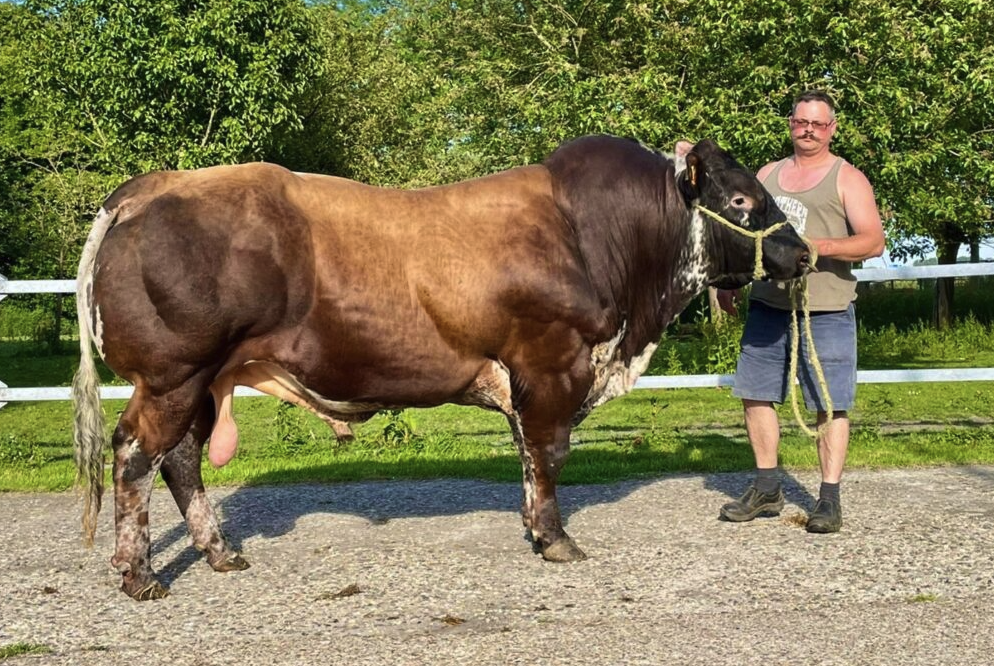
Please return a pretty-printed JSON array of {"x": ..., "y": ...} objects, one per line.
[{"x": 817, "y": 213}]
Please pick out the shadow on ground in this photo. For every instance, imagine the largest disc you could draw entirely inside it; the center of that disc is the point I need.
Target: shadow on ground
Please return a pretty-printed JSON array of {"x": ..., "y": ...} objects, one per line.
[{"x": 268, "y": 509}]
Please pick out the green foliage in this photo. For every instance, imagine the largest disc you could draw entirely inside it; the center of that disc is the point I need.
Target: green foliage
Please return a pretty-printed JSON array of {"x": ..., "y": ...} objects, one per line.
[
  {"x": 965, "y": 340},
  {"x": 399, "y": 428},
  {"x": 292, "y": 434},
  {"x": 702, "y": 347},
  {"x": 21, "y": 323},
  {"x": 22, "y": 648},
  {"x": 907, "y": 304},
  {"x": 166, "y": 83}
]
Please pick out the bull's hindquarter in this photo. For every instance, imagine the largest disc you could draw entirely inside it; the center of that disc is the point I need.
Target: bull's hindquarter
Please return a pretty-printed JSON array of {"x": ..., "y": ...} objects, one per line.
[{"x": 339, "y": 294}]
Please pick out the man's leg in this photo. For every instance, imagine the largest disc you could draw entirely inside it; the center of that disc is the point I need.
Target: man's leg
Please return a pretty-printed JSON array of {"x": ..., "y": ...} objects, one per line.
[
  {"x": 763, "y": 428},
  {"x": 835, "y": 341},
  {"x": 832, "y": 446},
  {"x": 764, "y": 496},
  {"x": 826, "y": 517}
]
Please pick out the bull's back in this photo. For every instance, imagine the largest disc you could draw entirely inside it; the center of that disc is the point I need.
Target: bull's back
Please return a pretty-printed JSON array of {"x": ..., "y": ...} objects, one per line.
[{"x": 458, "y": 261}]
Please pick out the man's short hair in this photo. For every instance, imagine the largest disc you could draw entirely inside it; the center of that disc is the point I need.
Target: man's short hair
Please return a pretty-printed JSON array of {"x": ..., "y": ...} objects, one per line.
[{"x": 814, "y": 96}]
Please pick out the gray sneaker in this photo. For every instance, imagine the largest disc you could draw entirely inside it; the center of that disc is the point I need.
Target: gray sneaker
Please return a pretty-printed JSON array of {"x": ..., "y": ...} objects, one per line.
[
  {"x": 753, "y": 503},
  {"x": 825, "y": 518}
]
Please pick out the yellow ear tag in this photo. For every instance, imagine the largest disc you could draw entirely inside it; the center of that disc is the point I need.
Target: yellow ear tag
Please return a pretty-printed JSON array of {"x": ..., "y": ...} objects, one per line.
[{"x": 693, "y": 174}]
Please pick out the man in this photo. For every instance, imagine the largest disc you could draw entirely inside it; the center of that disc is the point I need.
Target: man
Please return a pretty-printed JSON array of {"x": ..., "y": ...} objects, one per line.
[{"x": 832, "y": 203}]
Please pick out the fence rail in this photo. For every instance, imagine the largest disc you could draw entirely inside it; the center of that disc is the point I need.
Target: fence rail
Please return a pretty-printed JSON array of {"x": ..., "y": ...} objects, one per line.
[{"x": 8, "y": 394}]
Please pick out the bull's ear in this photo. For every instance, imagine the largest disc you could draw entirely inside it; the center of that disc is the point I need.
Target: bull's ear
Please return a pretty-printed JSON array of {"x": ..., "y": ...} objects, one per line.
[{"x": 693, "y": 177}]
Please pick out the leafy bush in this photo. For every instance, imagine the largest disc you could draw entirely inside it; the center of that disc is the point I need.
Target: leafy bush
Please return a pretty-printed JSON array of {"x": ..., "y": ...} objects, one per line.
[
  {"x": 399, "y": 428},
  {"x": 702, "y": 347},
  {"x": 292, "y": 435}
]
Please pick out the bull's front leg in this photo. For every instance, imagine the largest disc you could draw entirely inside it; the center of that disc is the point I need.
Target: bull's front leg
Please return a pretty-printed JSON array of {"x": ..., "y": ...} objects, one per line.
[
  {"x": 544, "y": 451},
  {"x": 181, "y": 471},
  {"x": 134, "y": 472}
]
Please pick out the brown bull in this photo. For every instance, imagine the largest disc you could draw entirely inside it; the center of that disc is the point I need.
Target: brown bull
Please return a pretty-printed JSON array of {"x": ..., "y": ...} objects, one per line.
[{"x": 539, "y": 292}]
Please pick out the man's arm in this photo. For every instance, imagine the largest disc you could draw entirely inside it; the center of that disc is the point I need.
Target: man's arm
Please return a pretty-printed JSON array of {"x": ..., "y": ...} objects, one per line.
[{"x": 867, "y": 239}]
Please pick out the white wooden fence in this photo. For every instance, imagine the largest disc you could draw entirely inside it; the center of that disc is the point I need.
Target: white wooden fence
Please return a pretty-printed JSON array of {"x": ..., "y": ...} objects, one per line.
[{"x": 8, "y": 394}]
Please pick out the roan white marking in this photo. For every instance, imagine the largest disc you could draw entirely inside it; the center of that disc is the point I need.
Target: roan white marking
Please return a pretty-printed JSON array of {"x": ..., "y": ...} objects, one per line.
[{"x": 612, "y": 376}]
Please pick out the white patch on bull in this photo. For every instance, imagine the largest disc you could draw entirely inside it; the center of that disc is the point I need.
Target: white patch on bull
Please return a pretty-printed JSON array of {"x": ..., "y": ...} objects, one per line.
[
  {"x": 692, "y": 274},
  {"x": 86, "y": 315},
  {"x": 614, "y": 377}
]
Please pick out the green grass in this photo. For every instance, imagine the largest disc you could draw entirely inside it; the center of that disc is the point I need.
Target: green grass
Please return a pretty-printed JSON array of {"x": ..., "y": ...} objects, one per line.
[
  {"x": 20, "y": 649},
  {"x": 644, "y": 434}
]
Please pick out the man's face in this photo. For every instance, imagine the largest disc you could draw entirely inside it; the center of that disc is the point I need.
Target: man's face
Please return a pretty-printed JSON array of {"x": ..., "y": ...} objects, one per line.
[{"x": 811, "y": 126}]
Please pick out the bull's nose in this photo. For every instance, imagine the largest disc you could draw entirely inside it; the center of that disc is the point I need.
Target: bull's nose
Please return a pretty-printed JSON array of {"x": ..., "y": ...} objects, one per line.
[{"x": 806, "y": 265}]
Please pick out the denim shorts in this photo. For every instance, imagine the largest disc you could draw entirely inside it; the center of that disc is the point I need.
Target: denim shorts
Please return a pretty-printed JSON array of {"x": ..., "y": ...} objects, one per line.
[{"x": 764, "y": 362}]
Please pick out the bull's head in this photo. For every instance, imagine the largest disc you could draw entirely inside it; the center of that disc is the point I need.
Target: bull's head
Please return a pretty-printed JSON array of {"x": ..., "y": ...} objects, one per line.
[{"x": 714, "y": 180}]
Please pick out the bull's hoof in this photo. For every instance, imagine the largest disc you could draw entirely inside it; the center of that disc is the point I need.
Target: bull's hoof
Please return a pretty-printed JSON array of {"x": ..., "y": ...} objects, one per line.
[
  {"x": 343, "y": 432},
  {"x": 149, "y": 592},
  {"x": 564, "y": 550},
  {"x": 233, "y": 563}
]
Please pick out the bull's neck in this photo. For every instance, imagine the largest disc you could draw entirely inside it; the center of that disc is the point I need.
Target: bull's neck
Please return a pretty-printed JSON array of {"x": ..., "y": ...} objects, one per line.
[
  {"x": 690, "y": 271},
  {"x": 660, "y": 275}
]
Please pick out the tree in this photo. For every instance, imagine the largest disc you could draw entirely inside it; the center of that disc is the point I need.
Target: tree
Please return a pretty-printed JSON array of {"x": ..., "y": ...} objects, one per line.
[
  {"x": 95, "y": 91},
  {"x": 156, "y": 84}
]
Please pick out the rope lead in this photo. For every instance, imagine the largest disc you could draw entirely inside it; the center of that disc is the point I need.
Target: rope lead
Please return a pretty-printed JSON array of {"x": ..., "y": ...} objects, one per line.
[{"x": 798, "y": 289}]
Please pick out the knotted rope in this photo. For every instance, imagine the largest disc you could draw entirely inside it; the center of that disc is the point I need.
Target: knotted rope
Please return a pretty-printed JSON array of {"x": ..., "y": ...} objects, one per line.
[
  {"x": 757, "y": 236},
  {"x": 798, "y": 290}
]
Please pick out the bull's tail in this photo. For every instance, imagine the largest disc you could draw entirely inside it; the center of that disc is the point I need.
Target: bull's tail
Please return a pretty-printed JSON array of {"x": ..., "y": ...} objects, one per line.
[{"x": 88, "y": 434}]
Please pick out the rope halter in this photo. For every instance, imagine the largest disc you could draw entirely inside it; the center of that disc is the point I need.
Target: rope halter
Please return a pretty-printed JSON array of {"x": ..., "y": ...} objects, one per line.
[{"x": 757, "y": 272}]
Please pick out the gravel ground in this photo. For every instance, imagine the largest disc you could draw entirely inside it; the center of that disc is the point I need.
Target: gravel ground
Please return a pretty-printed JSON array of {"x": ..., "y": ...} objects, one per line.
[{"x": 439, "y": 572}]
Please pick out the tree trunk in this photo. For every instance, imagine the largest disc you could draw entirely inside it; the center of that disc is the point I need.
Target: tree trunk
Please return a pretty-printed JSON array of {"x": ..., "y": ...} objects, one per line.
[
  {"x": 942, "y": 311},
  {"x": 976, "y": 280}
]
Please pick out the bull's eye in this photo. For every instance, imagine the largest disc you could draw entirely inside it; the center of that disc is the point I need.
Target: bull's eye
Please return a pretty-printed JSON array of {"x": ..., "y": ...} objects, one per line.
[{"x": 743, "y": 202}]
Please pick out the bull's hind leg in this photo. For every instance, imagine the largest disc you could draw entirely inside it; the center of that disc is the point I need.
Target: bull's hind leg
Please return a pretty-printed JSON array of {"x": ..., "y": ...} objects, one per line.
[
  {"x": 527, "y": 471},
  {"x": 149, "y": 428},
  {"x": 181, "y": 471}
]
